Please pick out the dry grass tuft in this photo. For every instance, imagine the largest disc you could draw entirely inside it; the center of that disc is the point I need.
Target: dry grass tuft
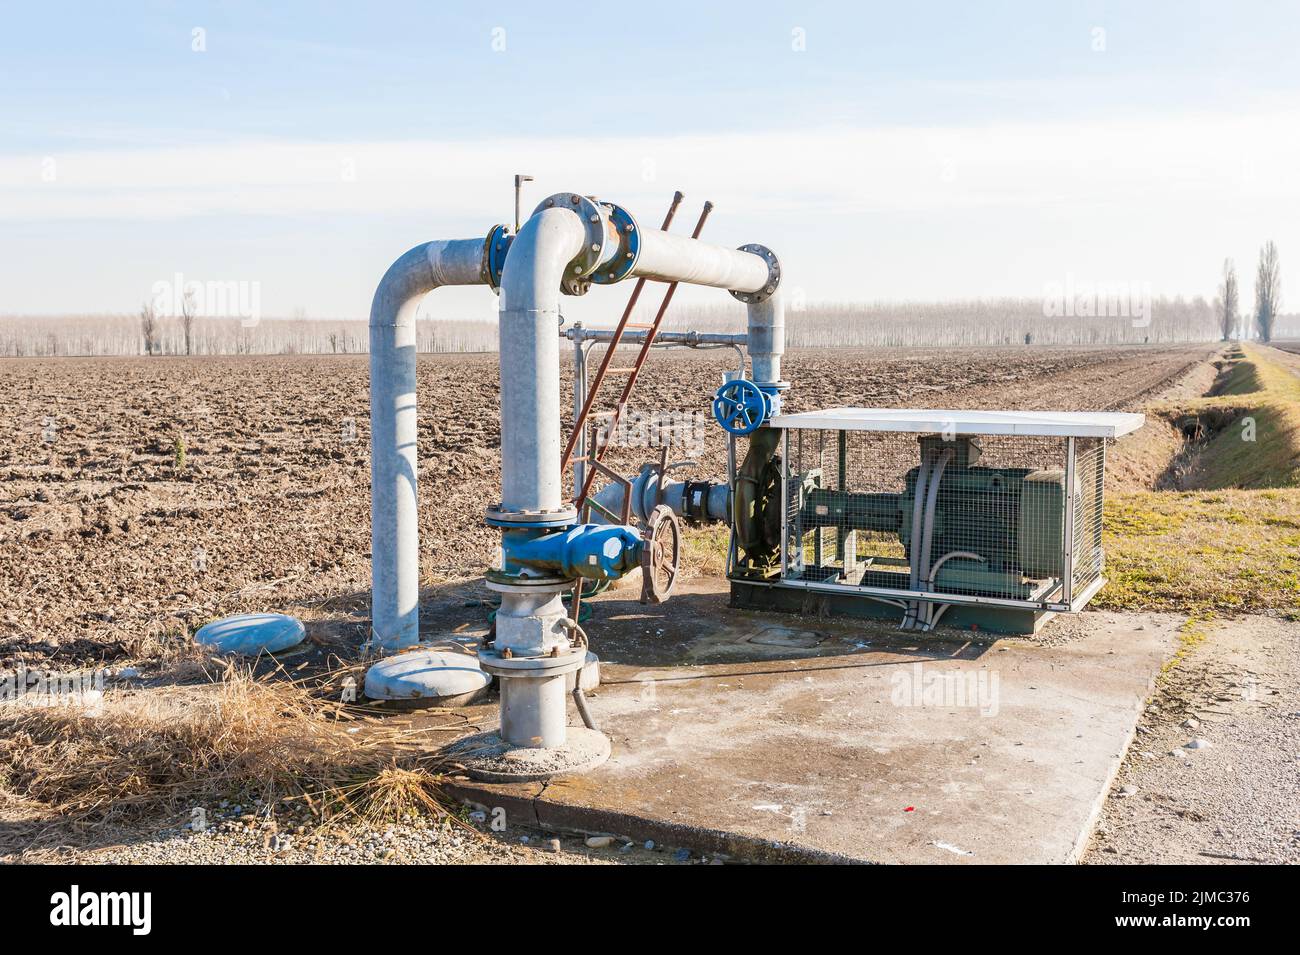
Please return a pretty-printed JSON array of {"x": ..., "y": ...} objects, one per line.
[
  {"x": 140, "y": 752},
  {"x": 394, "y": 794}
]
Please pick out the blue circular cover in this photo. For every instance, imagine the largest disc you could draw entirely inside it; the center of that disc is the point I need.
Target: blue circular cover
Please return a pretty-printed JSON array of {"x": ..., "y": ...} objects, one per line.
[{"x": 252, "y": 633}]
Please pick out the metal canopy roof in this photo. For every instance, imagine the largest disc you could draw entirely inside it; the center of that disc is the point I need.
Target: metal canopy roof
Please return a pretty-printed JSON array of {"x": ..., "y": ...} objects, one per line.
[{"x": 1079, "y": 424}]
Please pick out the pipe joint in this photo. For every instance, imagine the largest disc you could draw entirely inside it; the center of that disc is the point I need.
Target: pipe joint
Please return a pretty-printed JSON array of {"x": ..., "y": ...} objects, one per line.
[
  {"x": 773, "y": 275},
  {"x": 623, "y": 230},
  {"x": 601, "y": 245},
  {"x": 499, "y": 240}
]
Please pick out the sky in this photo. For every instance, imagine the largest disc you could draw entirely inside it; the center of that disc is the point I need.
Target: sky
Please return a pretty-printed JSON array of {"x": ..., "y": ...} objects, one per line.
[{"x": 885, "y": 151}]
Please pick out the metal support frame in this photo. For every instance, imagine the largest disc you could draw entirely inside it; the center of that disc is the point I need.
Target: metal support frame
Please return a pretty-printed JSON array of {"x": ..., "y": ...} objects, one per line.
[
  {"x": 1063, "y": 595},
  {"x": 1067, "y": 577}
]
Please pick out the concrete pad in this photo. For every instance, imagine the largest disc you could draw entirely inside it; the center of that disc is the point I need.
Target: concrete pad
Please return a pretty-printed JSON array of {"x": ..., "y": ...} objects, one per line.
[{"x": 874, "y": 746}]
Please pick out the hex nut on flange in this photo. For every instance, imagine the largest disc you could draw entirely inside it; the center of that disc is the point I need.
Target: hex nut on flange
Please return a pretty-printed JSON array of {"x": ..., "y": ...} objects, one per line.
[{"x": 773, "y": 275}]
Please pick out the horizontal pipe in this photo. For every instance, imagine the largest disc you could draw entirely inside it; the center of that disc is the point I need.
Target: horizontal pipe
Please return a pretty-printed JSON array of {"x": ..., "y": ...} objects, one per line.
[
  {"x": 715, "y": 509},
  {"x": 394, "y": 520},
  {"x": 577, "y": 334},
  {"x": 666, "y": 257}
]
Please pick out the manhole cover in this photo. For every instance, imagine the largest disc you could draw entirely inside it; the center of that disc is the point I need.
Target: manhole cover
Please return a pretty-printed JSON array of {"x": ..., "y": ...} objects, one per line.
[{"x": 785, "y": 637}]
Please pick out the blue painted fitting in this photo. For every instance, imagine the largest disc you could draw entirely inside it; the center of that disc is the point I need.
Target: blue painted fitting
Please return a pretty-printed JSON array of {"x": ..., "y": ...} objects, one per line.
[
  {"x": 741, "y": 407},
  {"x": 594, "y": 551},
  {"x": 499, "y": 241},
  {"x": 628, "y": 236},
  {"x": 773, "y": 393}
]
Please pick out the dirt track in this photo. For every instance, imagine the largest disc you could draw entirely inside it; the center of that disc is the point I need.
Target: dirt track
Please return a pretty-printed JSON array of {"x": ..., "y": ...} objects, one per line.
[{"x": 109, "y": 550}]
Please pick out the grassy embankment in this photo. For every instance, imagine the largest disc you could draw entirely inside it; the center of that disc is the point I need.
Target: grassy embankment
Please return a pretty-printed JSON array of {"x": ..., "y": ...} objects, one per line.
[{"x": 1231, "y": 543}]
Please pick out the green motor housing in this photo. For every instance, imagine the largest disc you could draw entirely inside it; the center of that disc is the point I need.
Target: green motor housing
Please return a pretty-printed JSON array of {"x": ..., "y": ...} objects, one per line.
[{"x": 1012, "y": 517}]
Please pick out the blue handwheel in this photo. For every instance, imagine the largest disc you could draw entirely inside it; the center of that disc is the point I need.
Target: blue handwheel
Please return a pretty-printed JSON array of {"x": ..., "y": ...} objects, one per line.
[{"x": 740, "y": 406}]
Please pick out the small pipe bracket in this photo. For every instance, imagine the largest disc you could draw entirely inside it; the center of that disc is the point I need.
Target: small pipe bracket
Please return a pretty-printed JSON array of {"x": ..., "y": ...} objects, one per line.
[
  {"x": 597, "y": 248},
  {"x": 773, "y": 275}
]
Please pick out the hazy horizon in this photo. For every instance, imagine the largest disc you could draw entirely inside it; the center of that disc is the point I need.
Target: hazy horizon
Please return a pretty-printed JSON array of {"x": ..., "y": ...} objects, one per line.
[{"x": 930, "y": 153}]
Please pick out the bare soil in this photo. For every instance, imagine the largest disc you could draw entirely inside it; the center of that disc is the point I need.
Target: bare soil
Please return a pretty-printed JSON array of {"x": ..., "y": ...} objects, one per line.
[{"x": 115, "y": 546}]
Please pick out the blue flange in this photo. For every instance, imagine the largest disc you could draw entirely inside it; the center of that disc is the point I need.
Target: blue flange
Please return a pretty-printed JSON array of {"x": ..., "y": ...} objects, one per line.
[
  {"x": 741, "y": 407},
  {"x": 629, "y": 247},
  {"x": 498, "y": 244}
]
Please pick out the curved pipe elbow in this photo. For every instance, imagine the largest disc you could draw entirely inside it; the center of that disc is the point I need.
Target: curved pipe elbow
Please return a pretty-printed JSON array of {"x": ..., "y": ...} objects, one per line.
[
  {"x": 422, "y": 269},
  {"x": 394, "y": 524}
]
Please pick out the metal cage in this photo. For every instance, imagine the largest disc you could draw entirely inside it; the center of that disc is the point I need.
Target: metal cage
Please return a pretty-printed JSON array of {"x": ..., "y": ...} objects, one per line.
[{"x": 983, "y": 509}]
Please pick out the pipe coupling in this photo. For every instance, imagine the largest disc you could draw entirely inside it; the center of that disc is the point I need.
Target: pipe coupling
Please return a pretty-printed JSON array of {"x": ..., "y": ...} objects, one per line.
[
  {"x": 773, "y": 275},
  {"x": 602, "y": 241}
]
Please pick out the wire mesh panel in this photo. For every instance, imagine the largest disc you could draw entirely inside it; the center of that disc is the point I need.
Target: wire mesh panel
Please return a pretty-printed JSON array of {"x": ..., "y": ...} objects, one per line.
[
  {"x": 975, "y": 518},
  {"x": 1089, "y": 479}
]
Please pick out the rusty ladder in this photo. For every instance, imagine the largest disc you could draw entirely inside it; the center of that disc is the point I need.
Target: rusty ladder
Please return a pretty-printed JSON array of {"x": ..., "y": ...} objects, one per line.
[{"x": 594, "y": 457}]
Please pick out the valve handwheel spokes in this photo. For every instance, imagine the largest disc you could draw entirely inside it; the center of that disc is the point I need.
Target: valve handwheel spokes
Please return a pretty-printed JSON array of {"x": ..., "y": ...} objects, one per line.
[
  {"x": 740, "y": 406},
  {"x": 660, "y": 555}
]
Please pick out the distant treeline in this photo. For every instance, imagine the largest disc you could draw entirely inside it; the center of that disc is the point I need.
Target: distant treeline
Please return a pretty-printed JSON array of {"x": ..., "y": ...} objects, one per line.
[
  {"x": 42, "y": 336},
  {"x": 1010, "y": 321}
]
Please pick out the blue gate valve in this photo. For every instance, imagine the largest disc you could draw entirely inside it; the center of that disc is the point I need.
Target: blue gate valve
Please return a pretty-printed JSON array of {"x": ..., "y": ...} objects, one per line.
[
  {"x": 741, "y": 407},
  {"x": 593, "y": 551}
]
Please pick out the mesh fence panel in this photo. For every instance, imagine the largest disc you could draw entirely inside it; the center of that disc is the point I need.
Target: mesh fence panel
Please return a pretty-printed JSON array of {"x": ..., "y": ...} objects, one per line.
[{"x": 980, "y": 517}]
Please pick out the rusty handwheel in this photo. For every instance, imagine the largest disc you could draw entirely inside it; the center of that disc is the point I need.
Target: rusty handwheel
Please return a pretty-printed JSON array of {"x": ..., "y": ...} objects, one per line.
[{"x": 661, "y": 554}]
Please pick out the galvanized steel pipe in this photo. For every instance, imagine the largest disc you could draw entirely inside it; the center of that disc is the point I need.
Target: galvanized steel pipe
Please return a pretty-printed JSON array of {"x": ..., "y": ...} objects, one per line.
[
  {"x": 530, "y": 359},
  {"x": 394, "y": 520},
  {"x": 666, "y": 257},
  {"x": 767, "y": 339}
]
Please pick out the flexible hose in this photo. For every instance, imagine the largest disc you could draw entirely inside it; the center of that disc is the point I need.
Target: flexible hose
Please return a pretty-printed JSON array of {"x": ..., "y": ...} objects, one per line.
[
  {"x": 579, "y": 699},
  {"x": 914, "y": 577},
  {"x": 932, "y": 617},
  {"x": 931, "y": 496}
]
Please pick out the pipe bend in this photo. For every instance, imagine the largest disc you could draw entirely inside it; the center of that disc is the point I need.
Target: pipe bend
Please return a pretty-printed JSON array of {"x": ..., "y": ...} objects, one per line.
[
  {"x": 420, "y": 270},
  {"x": 394, "y": 518}
]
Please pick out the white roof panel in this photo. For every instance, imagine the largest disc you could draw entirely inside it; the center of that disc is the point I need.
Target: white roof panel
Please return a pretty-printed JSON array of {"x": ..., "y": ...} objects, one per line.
[{"x": 1079, "y": 424}]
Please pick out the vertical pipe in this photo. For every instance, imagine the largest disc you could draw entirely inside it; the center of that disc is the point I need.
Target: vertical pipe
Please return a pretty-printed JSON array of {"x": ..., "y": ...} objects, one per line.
[
  {"x": 530, "y": 356},
  {"x": 767, "y": 338},
  {"x": 579, "y": 399},
  {"x": 785, "y": 500},
  {"x": 1067, "y": 538},
  {"x": 394, "y": 520}
]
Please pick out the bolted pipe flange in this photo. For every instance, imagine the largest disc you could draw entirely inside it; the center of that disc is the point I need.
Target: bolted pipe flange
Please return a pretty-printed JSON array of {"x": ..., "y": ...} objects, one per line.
[
  {"x": 498, "y": 516},
  {"x": 773, "y": 275},
  {"x": 622, "y": 228},
  {"x": 598, "y": 247},
  {"x": 499, "y": 240}
]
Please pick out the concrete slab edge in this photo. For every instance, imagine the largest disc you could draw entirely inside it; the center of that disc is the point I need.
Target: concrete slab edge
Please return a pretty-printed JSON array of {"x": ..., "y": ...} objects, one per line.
[
  {"x": 539, "y": 812},
  {"x": 1075, "y": 855}
]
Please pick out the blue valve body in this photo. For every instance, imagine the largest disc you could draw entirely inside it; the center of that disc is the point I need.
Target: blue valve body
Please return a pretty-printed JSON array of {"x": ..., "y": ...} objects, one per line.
[{"x": 594, "y": 551}]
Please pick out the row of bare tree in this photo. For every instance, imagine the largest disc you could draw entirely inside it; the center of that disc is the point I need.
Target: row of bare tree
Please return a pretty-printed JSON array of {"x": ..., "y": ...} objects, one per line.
[
  {"x": 1008, "y": 321},
  {"x": 1268, "y": 299},
  {"x": 150, "y": 333},
  {"x": 1012, "y": 321}
]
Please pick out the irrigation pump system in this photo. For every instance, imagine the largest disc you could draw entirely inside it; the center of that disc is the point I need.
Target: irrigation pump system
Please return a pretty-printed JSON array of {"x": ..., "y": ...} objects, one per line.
[
  {"x": 989, "y": 518},
  {"x": 537, "y": 651}
]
